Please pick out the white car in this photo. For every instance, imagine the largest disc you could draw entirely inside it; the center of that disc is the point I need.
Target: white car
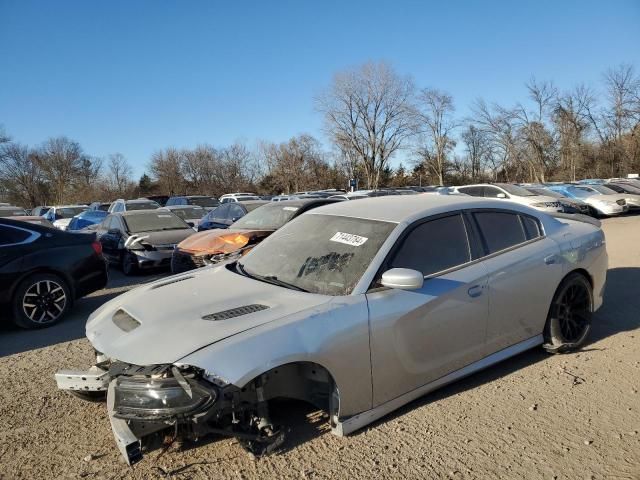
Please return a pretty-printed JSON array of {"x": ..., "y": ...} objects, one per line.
[
  {"x": 632, "y": 199},
  {"x": 356, "y": 307},
  {"x": 237, "y": 197},
  {"x": 61, "y": 215},
  {"x": 514, "y": 193}
]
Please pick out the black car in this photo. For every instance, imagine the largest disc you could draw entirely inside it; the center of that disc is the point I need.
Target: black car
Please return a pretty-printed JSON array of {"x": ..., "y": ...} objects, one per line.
[
  {"x": 44, "y": 270},
  {"x": 227, "y": 213},
  {"x": 199, "y": 200},
  {"x": 141, "y": 239}
]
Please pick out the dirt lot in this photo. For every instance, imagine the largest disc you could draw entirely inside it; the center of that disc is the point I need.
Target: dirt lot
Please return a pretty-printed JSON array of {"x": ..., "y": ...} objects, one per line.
[{"x": 534, "y": 416}]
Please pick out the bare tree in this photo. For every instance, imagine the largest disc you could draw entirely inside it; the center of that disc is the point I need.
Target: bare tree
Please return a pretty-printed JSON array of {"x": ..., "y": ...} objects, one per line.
[
  {"x": 368, "y": 111},
  {"x": 60, "y": 160},
  {"x": 166, "y": 169},
  {"x": 119, "y": 175},
  {"x": 20, "y": 174},
  {"x": 435, "y": 129},
  {"x": 201, "y": 168},
  {"x": 478, "y": 148}
]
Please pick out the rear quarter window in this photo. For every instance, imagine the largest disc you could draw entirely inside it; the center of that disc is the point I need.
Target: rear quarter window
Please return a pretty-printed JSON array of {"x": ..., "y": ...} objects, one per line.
[{"x": 500, "y": 230}]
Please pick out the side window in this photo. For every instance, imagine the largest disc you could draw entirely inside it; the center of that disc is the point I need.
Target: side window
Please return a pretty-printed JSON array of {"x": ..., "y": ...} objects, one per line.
[
  {"x": 434, "y": 246},
  {"x": 235, "y": 211},
  {"x": 221, "y": 212},
  {"x": 531, "y": 227},
  {"x": 615, "y": 188},
  {"x": 493, "y": 192},
  {"x": 10, "y": 236},
  {"x": 473, "y": 191},
  {"x": 500, "y": 229}
]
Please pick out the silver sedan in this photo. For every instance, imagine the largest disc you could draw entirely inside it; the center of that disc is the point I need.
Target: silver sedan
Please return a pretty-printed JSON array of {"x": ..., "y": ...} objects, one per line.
[{"x": 356, "y": 307}]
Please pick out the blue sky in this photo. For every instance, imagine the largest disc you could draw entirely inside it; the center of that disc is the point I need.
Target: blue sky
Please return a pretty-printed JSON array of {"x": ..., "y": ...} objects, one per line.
[{"x": 133, "y": 77}]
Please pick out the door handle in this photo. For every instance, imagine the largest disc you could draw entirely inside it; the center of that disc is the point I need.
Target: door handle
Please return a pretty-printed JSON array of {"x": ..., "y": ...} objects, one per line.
[
  {"x": 550, "y": 260},
  {"x": 475, "y": 291}
]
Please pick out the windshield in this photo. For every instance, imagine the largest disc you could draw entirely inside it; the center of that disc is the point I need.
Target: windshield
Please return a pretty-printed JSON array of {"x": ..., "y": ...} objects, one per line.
[
  {"x": 603, "y": 190},
  {"x": 93, "y": 215},
  {"x": 142, "y": 206},
  {"x": 516, "y": 190},
  {"x": 10, "y": 212},
  {"x": 267, "y": 217},
  {"x": 204, "y": 202},
  {"x": 69, "y": 212},
  {"x": 154, "y": 221},
  {"x": 544, "y": 191},
  {"x": 580, "y": 192},
  {"x": 190, "y": 212},
  {"x": 322, "y": 254}
]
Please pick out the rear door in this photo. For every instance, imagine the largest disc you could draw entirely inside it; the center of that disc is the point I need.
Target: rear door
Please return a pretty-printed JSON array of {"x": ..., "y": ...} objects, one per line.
[
  {"x": 524, "y": 268},
  {"x": 418, "y": 336}
]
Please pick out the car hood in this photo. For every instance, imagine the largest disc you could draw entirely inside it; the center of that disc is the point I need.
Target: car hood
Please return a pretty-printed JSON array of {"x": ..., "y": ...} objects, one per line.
[
  {"x": 169, "y": 313},
  {"x": 164, "y": 237},
  {"x": 605, "y": 198},
  {"x": 535, "y": 199},
  {"x": 221, "y": 240}
]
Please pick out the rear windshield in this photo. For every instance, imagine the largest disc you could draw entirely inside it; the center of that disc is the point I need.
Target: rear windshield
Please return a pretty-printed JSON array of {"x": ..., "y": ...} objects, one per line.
[
  {"x": 268, "y": 217},
  {"x": 69, "y": 212},
  {"x": 10, "y": 212},
  {"x": 190, "y": 212},
  {"x": 142, "y": 206},
  {"x": 204, "y": 202},
  {"x": 154, "y": 221}
]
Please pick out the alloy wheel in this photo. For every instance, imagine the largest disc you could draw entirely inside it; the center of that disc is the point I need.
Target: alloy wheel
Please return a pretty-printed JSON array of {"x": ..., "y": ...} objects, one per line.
[
  {"x": 573, "y": 312},
  {"x": 44, "y": 301}
]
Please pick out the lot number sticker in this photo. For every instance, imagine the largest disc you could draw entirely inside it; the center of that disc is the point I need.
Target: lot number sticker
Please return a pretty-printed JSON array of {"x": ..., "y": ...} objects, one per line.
[{"x": 349, "y": 239}]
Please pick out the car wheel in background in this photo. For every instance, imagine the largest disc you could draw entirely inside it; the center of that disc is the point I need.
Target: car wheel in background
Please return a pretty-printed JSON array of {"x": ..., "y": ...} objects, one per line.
[
  {"x": 129, "y": 264},
  {"x": 569, "y": 320},
  {"x": 40, "y": 300}
]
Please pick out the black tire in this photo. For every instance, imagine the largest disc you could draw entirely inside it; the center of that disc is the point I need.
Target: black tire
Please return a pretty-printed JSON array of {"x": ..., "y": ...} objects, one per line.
[
  {"x": 569, "y": 320},
  {"x": 41, "y": 300},
  {"x": 129, "y": 264}
]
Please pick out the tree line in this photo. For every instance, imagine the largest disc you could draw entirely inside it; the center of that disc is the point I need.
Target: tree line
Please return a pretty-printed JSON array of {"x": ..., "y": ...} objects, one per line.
[{"x": 371, "y": 114}]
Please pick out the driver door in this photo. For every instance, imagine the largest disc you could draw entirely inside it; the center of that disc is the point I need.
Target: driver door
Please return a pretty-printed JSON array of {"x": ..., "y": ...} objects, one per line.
[{"x": 418, "y": 336}]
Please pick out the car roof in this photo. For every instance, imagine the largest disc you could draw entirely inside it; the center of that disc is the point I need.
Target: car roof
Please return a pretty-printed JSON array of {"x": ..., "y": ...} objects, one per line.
[
  {"x": 401, "y": 208},
  {"x": 252, "y": 202},
  {"x": 140, "y": 200},
  {"x": 179, "y": 207},
  {"x": 130, "y": 213}
]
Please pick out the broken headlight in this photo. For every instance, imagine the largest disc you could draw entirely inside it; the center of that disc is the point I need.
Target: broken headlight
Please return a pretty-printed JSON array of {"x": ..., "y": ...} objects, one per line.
[{"x": 156, "y": 398}]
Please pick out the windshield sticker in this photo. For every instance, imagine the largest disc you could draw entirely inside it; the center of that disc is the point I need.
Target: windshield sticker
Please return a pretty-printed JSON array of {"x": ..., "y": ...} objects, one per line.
[
  {"x": 290, "y": 209},
  {"x": 349, "y": 239},
  {"x": 164, "y": 216}
]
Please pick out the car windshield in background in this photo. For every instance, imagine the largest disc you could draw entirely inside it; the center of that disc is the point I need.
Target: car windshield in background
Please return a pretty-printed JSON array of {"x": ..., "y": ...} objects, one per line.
[
  {"x": 11, "y": 212},
  {"x": 267, "y": 217},
  {"x": 189, "y": 212},
  {"x": 322, "y": 254},
  {"x": 69, "y": 212},
  {"x": 154, "y": 221},
  {"x": 604, "y": 190},
  {"x": 515, "y": 190},
  {"x": 96, "y": 215},
  {"x": 204, "y": 202},
  {"x": 142, "y": 206},
  {"x": 580, "y": 192},
  {"x": 543, "y": 191}
]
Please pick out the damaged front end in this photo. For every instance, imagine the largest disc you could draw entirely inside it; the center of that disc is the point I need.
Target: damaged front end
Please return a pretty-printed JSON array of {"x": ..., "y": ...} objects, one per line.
[{"x": 186, "y": 401}]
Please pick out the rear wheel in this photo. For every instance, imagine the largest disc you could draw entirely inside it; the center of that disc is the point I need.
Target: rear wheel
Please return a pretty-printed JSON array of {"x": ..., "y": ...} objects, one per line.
[
  {"x": 569, "y": 321},
  {"x": 40, "y": 301}
]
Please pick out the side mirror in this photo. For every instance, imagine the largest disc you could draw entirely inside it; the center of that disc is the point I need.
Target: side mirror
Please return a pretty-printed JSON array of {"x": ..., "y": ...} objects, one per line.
[
  {"x": 403, "y": 279},
  {"x": 501, "y": 195},
  {"x": 191, "y": 224}
]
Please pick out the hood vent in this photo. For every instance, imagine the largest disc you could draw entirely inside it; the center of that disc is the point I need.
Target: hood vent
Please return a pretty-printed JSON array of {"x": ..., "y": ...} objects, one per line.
[
  {"x": 235, "y": 312},
  {"x": 175, "y": 280}
]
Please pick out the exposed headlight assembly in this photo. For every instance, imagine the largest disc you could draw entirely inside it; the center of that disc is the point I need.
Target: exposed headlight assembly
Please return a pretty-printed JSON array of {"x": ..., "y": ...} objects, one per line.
[{"x": 160, "y": 398}]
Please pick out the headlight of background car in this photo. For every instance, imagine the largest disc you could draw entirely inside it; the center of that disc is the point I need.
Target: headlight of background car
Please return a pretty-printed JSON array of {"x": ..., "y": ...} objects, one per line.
[{"x": 160, "y": 398}]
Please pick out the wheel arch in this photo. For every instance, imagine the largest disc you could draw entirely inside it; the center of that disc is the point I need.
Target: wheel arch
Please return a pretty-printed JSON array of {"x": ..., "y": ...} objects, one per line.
[
  {"x": 301, "y": 380},
  {"x": 44, "y": 270}
]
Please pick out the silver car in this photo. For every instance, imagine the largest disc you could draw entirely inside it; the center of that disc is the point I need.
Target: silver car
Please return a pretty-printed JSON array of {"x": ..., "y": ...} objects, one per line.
[{"x": 356, "y": 307}]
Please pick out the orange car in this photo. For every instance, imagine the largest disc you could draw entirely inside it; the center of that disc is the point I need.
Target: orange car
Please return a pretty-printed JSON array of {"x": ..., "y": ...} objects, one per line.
[{"x": 214, "y": 246}]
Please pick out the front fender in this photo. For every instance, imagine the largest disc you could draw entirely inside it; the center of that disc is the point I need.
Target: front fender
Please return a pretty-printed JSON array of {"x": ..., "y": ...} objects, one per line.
[{"x": 334, "y": 335}]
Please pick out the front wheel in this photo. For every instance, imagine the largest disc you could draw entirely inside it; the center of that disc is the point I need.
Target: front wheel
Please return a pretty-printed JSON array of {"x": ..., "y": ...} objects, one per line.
[
  {"x": 129, "y": 264},
  {"x": 569, "y": 320}
]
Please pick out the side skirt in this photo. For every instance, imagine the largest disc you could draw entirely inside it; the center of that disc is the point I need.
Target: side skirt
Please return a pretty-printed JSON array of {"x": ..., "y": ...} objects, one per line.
[{"x": 363, "y": 419}]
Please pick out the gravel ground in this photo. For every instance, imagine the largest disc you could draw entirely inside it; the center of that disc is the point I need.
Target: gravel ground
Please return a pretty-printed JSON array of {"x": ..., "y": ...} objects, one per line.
[{"x": 534, "y": 416}]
